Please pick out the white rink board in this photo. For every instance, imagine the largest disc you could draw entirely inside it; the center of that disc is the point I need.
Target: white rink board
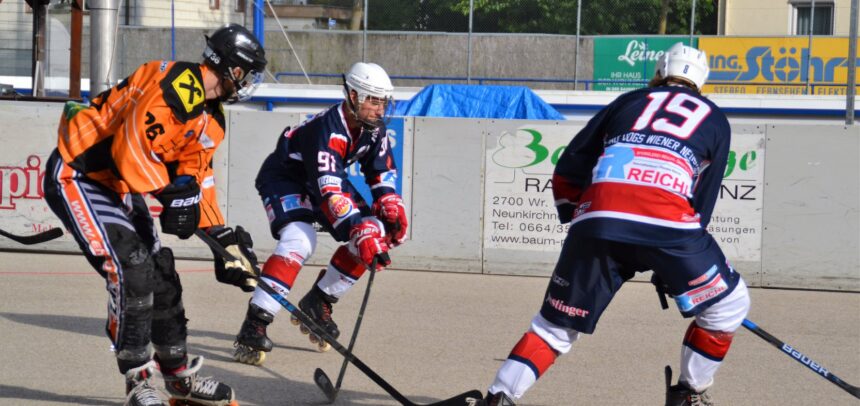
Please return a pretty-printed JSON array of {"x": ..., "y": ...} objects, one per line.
[{"x": 797, "y": 211}]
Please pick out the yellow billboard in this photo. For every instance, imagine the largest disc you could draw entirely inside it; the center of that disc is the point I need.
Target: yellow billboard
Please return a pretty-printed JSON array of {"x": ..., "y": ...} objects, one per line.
[{"x": 776, "y": 65}]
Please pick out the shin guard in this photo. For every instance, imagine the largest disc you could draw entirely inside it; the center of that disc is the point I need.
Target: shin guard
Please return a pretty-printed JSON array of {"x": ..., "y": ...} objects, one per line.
[
  {"x": 280, "y": 273},
  {"x": 528, "y": 360},
  {"x": 702, "y": 354}
]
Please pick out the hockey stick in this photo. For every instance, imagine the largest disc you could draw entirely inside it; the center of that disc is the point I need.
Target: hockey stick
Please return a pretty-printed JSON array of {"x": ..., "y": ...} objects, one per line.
[
  {"x": 322, "y": 380},
  {"x": 44, "y": 236},
  {"x": 787, "y": 349},
  {"x": 470, "y": 398},
  {"x": 803, "y": 359}
]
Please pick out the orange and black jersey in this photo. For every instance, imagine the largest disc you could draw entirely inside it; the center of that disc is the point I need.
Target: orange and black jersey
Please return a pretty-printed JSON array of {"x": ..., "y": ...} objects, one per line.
[{"x": 151, "y": 127}]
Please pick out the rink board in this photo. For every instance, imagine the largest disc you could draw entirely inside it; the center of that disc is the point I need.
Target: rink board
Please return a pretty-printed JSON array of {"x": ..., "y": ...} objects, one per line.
[{"x": 479, "y": 201}]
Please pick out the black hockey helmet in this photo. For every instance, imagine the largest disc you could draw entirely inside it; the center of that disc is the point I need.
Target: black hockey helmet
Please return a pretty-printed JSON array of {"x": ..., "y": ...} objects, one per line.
[{"x": 234, "y": 46}]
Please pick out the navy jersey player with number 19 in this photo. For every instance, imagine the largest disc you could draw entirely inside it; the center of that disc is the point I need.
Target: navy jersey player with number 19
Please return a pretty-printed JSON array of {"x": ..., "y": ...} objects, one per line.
[
  {"x": 638, "y": 185},
  {"x": 305, "y": 181}
]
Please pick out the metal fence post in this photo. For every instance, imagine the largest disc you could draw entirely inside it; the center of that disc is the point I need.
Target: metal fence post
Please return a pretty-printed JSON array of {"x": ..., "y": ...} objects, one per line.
[
  {"x": 469, "y": 51},
  {"x": 852, "y": 65},
  {"x": 576, "y": 52},
  {"x": 364, "y": 35},
  {"x": 692, "y": 22},
  {"x": 809, "y": 46}
]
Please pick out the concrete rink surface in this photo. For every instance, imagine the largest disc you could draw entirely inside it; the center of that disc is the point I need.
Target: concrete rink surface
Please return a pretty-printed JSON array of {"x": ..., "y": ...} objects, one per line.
[{"x": 431, "y": 335}]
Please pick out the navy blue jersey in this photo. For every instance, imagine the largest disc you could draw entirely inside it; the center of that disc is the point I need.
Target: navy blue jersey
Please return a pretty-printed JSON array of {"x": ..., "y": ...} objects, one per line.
[
  {"x": 317, "y": 154},
  {"x": 647, "y": 168}
]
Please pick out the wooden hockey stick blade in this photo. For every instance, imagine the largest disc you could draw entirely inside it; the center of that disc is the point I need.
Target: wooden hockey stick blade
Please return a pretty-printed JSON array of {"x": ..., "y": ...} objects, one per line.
[
  {"x": 324, "y": 383},
  {"x": 44, "y": 236}
]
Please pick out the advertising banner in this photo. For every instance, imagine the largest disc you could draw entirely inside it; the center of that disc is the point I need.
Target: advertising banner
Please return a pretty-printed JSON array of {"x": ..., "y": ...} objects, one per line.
[
  {"x": 519, "y": 210},
  {"x": 778, "y": 65},
  {"x": 627, "y": 59}
]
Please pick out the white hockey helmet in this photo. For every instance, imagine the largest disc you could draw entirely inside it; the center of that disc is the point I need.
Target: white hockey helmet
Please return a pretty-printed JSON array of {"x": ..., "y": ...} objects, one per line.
[
  {"x": 369, "y": 79},
  {"x": 685, "y": 62}
]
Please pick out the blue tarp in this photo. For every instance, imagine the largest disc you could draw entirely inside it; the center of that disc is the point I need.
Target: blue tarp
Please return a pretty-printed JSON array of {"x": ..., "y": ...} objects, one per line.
[{"x": 515, "y": 102}]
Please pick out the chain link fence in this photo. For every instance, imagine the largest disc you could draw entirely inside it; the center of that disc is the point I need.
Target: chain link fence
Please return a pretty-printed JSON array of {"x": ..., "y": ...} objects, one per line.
[{"x": 552, "y": 44}]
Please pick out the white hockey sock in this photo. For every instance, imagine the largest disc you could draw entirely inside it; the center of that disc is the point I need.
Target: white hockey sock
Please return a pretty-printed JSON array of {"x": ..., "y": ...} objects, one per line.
[
  {"x": 266, "y": 302},
  {"x": 335, "y": 283},
  {"x": 514, "y": 378}
]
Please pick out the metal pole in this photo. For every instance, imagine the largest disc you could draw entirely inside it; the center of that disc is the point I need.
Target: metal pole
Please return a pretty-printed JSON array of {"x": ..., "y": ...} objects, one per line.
[
  {"x": 259, "y": 22},
  {"x": 364, "y": 35},
  {"x": 692, "y": 22},
  {"x": 576, "y": 52},
  {"x": 39, "y": 56},
  {"x": 75, "y": 51},
  {"x": 852, "y": 65},
  {"x": 469, "y": 52},
  {"x": 103, "y": 20},
  {"x": 172, "y": 30},
  {"x": 809, "y": 45}
]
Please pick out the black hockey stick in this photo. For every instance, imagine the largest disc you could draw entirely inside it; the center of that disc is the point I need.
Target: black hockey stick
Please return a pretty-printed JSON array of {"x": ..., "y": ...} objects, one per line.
[
  {"x": 469, "y": 398},
  {"x": 322, "y": 380},
  {"x": 787, "y": 349},
  {"x": 44, "y": 236},
  {"x": 803, "y": 359}
]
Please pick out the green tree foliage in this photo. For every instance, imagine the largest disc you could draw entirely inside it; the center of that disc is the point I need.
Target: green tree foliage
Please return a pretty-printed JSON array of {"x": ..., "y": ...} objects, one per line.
[{"x": 598, "y": 17}]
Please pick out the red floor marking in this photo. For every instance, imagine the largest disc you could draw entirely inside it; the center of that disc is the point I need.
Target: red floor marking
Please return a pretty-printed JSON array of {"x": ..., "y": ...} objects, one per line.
[{"x": 93, "y": 272}]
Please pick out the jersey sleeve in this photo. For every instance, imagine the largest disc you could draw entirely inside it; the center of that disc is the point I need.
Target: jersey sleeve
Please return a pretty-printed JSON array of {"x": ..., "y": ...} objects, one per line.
[
  {"x": 573, "y": 172},
  {"x": 379, "y": 168},
  {"x": 708, "y": 185},
  {"x": 323, "y": 157}
]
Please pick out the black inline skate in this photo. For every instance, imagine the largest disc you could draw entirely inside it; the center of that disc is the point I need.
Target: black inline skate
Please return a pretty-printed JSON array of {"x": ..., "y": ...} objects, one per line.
[{"x": 252, "y": 344}]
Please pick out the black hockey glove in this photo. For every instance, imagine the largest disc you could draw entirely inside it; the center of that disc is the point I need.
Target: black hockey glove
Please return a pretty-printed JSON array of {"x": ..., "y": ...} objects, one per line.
[
  {"x": 244, "y": 271},
  {"x": 181, "y": 202}
]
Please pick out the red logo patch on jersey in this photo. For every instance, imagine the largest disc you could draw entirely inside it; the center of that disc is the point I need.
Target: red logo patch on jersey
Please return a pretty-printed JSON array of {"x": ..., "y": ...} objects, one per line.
[{"x": 340, "y": 206}]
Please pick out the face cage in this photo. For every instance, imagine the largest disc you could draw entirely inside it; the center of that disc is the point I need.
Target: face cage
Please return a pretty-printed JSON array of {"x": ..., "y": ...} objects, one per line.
[
  {"x": 246, "y": 87},
  {"x": 386, "y": 115}
]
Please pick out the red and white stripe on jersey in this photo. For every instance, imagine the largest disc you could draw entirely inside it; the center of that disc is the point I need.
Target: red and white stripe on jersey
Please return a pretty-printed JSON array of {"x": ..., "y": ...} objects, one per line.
[
  {"x": 338, "y": 143},
  {"x": 636, "y": 203}
]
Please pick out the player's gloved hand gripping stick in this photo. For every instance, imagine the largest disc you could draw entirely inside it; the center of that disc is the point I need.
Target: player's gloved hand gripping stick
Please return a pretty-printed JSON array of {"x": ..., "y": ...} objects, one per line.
[
  {"x": 472, "y": 397},
  {"x": 787, "y": 349}
]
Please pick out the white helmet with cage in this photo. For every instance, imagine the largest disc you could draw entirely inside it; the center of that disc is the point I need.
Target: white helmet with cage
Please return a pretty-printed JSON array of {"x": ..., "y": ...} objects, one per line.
[
  {"x": 685, "y": 62},
  {"x": 369, "y": 80}
]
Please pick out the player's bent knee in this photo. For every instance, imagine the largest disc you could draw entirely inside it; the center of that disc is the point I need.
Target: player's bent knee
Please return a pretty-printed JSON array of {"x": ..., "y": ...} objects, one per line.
[
  {"x": 560, "y": 339},
  {"x": 297, "y": 241},
  {"x": 727, "y": 314}
]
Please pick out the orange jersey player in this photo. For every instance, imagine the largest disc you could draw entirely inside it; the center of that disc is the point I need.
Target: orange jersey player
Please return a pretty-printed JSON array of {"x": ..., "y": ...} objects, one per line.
[{"x": 155, "y": 132}]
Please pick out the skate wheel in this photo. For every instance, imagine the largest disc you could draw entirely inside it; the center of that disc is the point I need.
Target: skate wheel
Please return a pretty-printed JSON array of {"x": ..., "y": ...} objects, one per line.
[
  {"x": 295, "y": 321},
  {"x": 249, "y": 356},
  {"x": 323, "y": 346},
  {"x": 305, "y": 330},
  {"x": 314, "y": 338}
]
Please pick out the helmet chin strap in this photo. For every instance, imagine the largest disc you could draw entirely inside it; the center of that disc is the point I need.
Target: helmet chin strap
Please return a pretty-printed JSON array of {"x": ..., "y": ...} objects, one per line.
[{"x": 354, "y": 112}]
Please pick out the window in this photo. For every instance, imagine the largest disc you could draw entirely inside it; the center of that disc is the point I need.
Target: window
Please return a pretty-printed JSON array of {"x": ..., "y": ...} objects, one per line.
[
  {"x": 214, "y": 4},
  {"x": 823, "y": 24}
]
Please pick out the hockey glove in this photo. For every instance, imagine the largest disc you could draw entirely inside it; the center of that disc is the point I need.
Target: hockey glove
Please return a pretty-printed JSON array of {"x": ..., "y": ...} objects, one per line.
[
  {"x": 566, "y": 196},
  {"x": 390, "y": 209},
  {"x": 181, "y": 201},
  {"x": 367, "y": 240},
  {"x": 242, "y": 272}
]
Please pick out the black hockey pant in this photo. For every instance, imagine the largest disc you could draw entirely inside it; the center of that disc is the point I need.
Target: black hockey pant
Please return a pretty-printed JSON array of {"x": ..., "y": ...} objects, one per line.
[{"x": 117, "y": 235}]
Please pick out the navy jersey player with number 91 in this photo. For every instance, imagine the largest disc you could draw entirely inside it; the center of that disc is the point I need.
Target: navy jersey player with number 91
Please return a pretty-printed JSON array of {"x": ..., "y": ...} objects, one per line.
[{"x": 638, "y": 185}]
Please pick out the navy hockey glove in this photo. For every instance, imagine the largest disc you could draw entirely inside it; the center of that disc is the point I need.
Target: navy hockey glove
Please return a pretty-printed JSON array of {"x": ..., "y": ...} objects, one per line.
[
  {"x": 242, "y": 272},
  {"x": 390, "y": 209},
  {"x": 181, "y": 207}
]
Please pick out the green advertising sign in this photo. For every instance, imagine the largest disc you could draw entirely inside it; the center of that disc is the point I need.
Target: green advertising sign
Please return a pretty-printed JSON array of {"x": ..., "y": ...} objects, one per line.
[{"x": 620, "y": 59}]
